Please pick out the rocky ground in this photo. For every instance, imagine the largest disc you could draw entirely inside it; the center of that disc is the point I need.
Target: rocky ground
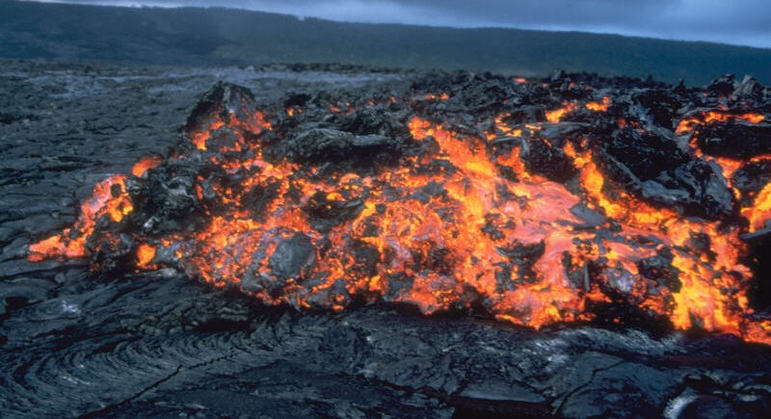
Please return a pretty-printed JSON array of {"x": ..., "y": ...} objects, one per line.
[{"x": 157, "y": 344}]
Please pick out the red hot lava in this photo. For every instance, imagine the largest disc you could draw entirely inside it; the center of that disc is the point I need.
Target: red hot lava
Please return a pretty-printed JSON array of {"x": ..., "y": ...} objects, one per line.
[{"x": 454, "y": 220}]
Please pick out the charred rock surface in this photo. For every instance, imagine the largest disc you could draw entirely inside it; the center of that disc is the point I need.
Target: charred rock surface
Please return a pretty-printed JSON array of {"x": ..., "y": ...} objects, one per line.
[
  {"x": 74, "y": 342},
  {"x": 658, "y": 170},
  {"x": 736, "y": 139},
  {"x": 153, "y": 345}
]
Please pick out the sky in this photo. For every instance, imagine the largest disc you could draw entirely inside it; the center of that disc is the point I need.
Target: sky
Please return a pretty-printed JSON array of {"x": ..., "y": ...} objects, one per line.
[{"x": 738, "y": 22}]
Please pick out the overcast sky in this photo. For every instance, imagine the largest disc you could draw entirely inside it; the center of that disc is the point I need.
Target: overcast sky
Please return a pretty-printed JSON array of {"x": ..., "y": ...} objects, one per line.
[{"x": 742, "y": 22}]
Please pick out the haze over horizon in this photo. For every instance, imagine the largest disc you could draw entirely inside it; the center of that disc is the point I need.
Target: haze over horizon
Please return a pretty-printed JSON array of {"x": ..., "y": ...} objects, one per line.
[{"x": 742, "y": 22}]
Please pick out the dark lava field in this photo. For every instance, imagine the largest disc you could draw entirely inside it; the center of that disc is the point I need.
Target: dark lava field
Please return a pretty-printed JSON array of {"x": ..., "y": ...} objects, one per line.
[{"x": 156, "y": 344}]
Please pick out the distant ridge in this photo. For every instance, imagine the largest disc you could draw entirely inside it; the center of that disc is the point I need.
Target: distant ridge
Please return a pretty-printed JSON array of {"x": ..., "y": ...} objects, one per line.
[{"x": 214, "y": 36}]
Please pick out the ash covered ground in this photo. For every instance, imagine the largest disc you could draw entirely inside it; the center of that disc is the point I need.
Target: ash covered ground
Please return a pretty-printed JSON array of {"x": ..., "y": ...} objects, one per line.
[{"x": 158, "y": 344}]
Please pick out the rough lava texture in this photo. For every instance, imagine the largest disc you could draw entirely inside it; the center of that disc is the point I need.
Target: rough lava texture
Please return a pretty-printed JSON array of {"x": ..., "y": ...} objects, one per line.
[{"x": 76, "y": 342}]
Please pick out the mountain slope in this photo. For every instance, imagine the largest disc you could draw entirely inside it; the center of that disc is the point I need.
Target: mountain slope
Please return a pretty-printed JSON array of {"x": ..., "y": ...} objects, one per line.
[{"x": 196, "y": 36}]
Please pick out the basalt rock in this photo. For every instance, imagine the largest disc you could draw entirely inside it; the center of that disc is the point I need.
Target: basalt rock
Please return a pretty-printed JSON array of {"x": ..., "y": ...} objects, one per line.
[
  {"x": 655, "y": 168},
  {"x": 735, "y": 139}
]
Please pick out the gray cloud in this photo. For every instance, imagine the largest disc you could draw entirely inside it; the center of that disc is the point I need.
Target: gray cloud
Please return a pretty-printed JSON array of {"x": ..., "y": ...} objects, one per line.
[{"x": 744, "y": 22}]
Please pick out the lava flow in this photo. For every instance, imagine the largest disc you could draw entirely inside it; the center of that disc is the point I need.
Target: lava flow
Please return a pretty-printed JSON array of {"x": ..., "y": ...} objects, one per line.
[{"x": 578, "y": 209}]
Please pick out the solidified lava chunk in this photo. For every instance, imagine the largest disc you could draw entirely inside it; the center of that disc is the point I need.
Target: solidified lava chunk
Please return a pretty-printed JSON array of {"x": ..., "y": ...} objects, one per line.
[
  {"x": 735, "y": 139},
  {"x": 541, "y": 158},
  {"x": 566, "y": 199},
  {"x": 751, "y": 178},
  {"x": 655, "y": 168}
]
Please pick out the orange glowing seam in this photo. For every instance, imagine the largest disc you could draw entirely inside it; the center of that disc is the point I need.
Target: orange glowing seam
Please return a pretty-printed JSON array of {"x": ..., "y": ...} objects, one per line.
[
  {"x": 556, "y": 115},
  {"x": 72, "y": 241},
  {"x": 145, "y": 255},
  {"x": 430, "y": 96},
  {"x": 599, "y": 106},
  {"x": 145, "y": 164},
  {"x": 687, "y": 125},
  {"x": 760, "y": 211}
]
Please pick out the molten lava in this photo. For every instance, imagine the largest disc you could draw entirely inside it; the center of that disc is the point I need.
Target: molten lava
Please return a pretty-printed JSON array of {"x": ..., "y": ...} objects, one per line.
[
  {"x": 599, "y": 106},
  {"x": 454, "y": 221},
  {"x": 109, "y": 199},
  {"x": 142, "y": 166},
  {"x": 688, "y": 124},
  {"x": 760, "y": 212},
  {"x": 557, "y": 114}
]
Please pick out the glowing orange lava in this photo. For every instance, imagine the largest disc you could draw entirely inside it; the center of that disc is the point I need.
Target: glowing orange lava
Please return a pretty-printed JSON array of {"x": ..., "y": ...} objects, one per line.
[
  {"x": 687, "y": 125},
  {"x": 444, "y": 228},
  {"x": 761, "y": 209},
  {"x": 109, "y": 198},
  {"x": 556, "y": 115},
  {"x": 145, "y": 254},
  {"x": 599, "y": 106},
  {"x": 145, "y": 164}
]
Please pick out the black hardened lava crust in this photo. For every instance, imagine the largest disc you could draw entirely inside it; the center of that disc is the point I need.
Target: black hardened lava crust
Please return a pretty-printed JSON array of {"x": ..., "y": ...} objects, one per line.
[{"x": 76, "y": 343}]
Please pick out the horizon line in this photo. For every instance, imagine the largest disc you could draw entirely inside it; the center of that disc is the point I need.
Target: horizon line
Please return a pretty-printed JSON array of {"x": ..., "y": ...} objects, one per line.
[{"x": 533, "y": 28}]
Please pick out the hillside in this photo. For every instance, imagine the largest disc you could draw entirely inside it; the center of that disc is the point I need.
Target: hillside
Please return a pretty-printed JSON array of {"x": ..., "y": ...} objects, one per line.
[{"x": 195, "y": 36}]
